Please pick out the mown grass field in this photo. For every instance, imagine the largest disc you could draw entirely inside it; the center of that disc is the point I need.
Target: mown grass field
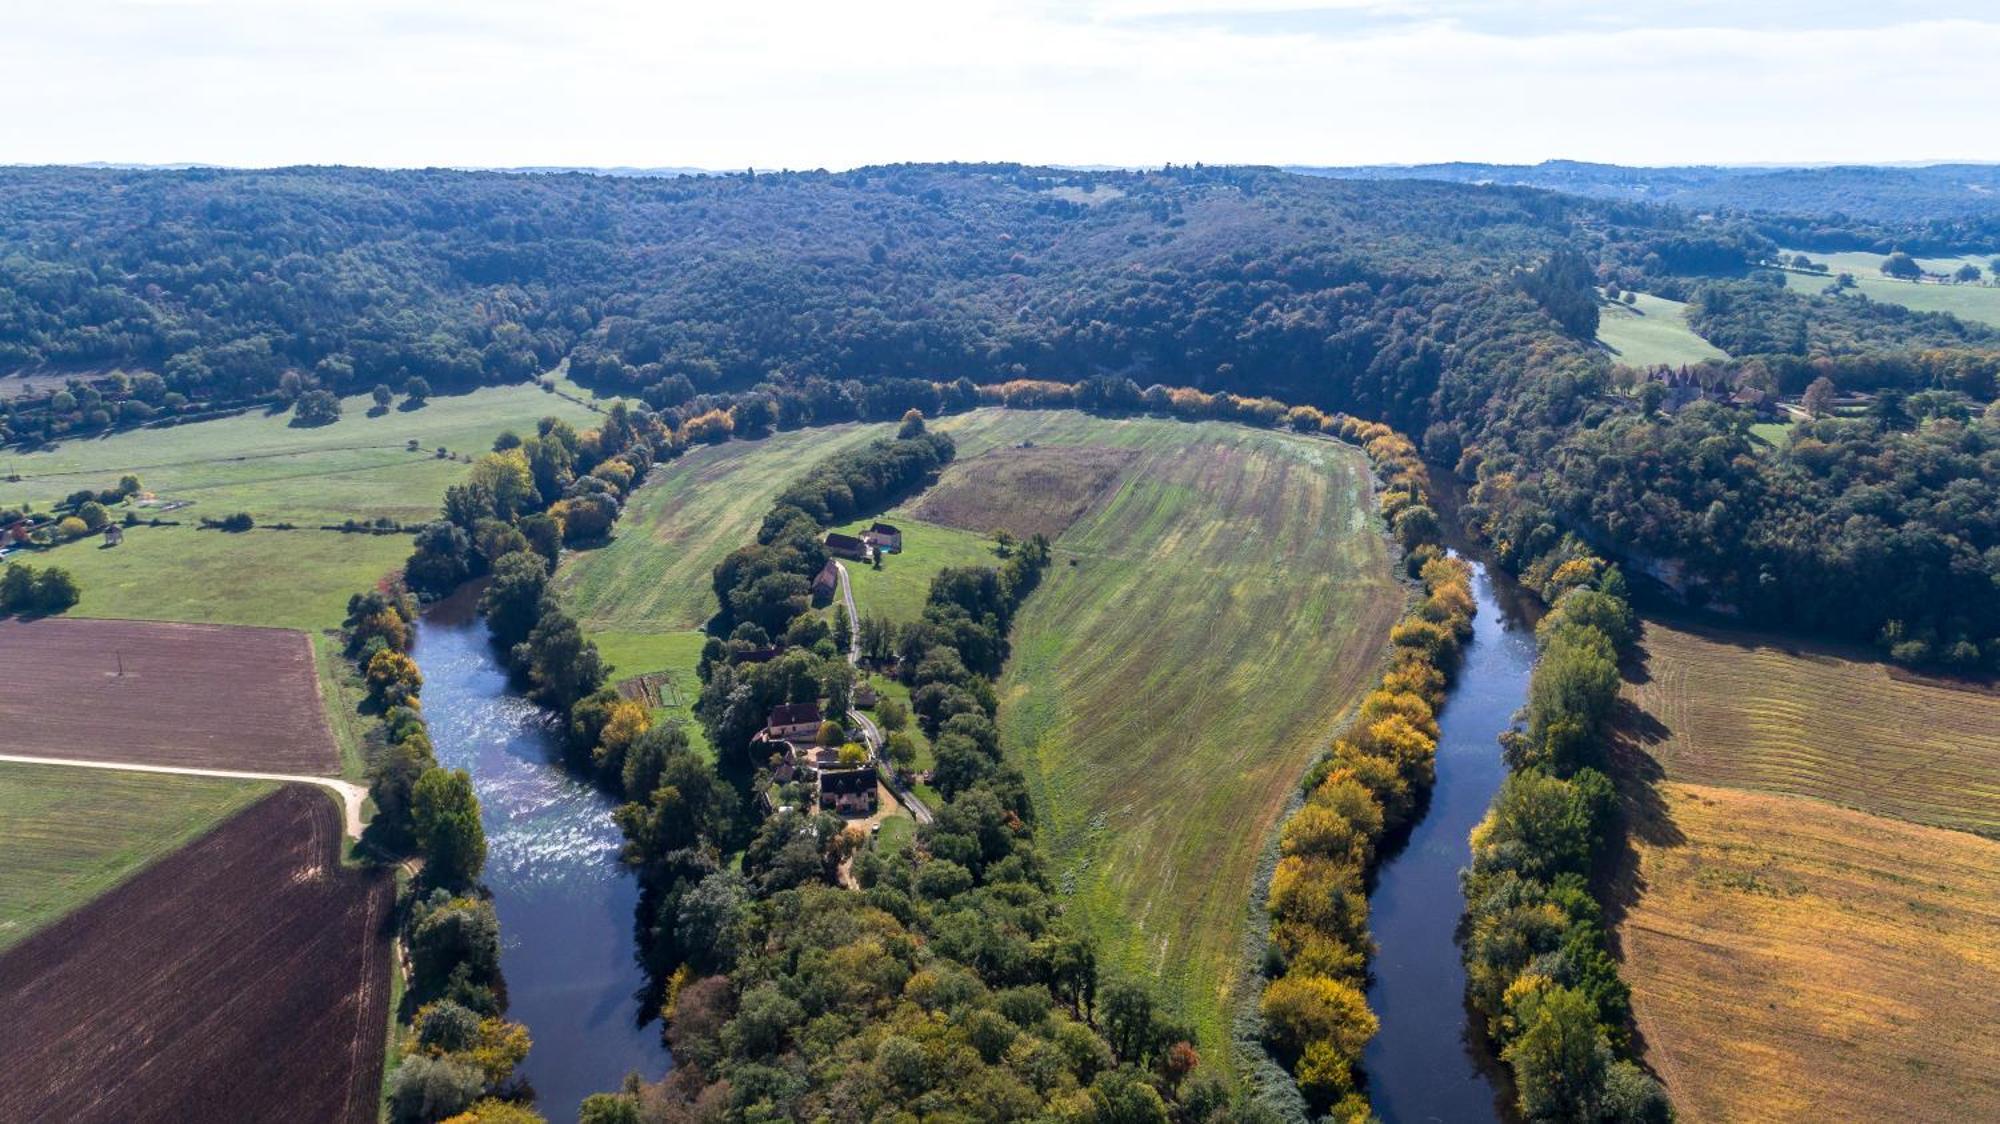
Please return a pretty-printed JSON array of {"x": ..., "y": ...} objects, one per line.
[
  {"x": 1652, "y": 331},
  {"x": 899, "y": 589},
  {"x": 645, "y": 653},
  {"x": 72, "y": 834},
  {"x": 1979, "y": 303},
  {"x": 1790, "y": 960},
  {"x": 1736, "y": 709},
  {"x": 358, "y": 467},
  {"x": 355, "y": 468},
  {"x": 1193, "y": 646},
  {"x": 656, "y": 575}
]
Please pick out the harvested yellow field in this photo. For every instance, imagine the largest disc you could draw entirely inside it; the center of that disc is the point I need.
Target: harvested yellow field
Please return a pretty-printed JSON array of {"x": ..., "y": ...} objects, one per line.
[
  {"x": 1736, "y": 709},
  {"x": 1790, "y": 960}
]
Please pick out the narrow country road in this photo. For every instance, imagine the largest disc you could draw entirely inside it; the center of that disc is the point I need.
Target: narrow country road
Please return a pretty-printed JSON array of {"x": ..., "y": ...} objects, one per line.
[
  {"x": 869, "y": 732},
  {"x": 351, "y": 795}
]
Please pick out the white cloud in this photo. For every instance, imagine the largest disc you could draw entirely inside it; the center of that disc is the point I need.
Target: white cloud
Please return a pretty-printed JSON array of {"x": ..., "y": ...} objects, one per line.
[{"x": 798, "y": 84}]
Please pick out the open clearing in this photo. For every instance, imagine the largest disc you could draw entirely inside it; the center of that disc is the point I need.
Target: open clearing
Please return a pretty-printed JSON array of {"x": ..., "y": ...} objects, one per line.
[
  {"x": 1193, "y": 646},
  {"x": 1737, "y": 709},
  {"x": 1978, "y": 303},
  {"x": 1025, "y": 491},
  {"x": 358, "y": 467},
  {"x": 901, "y": 587},
  {"x": 657, "y": 574},
  {"x": 204, "y": 696},
  {"x": 1794, "y": 961},
  {"x": 1652, "y": 331},
  {"x": 245, "y": 976},
  {"x": 70, "y": 838}
]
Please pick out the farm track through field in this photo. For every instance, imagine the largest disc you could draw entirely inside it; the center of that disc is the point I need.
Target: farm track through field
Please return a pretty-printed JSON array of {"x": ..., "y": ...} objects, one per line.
[
  {"x": 351, "y": 795},
  {"x": 244, "y": 977}
]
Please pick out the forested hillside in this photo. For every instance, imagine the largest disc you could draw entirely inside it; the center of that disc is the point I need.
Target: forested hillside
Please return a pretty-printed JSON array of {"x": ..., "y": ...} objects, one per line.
[{"x": 1459, "y": 312}]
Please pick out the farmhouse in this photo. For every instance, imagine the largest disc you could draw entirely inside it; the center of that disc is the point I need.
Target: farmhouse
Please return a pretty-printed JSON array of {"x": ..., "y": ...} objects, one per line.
[
  {"x": 827, "y": 580},
  {"x": 884, "y": 537},
  {"x": 793, "y": 720},
  {"x": 848, "y": 791},
  {"x": 113, "y": 535},
  {"x": 847, "y": 546}
]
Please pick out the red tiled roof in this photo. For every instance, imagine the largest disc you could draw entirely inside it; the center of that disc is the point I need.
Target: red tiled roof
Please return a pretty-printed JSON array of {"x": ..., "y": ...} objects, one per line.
[{"x": 794, "y": 714}]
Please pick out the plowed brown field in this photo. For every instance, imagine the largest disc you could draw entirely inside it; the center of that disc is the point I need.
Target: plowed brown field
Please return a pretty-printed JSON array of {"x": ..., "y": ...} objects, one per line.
[
  {"x": 202, "y": 696},
  {"x": 245, "y": 977}
]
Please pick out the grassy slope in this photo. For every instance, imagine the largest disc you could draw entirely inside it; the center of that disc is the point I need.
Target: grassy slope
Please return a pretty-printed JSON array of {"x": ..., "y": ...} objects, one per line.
[
  {"x": 644, "y": 597},
  {"x": 899, "y": 589},
  {"x": 1794, "y": 961},
  {"x": 1652, "y": 331},
  {"x": 67, "y": 842},
  {"x": 1193, "y": 646},
  {"x": 356, "y": 467},
  {"x": 1735, "y": 709},
  {"x": 656, "y": 575},
  {"x": 1978, "y": 303}
]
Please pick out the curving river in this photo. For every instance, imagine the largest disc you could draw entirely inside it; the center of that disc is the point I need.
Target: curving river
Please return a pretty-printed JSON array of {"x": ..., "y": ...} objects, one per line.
[
  {"x": 1426, "y": 1064},
  {"x": 566, "y": 904}
]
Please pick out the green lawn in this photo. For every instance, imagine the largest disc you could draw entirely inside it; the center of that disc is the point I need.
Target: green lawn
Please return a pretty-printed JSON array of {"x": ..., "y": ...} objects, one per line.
[
  {"x": 641, "y": 653},
  {"x": 358, "y": 467},
  {"x": 899, "y": 589},
  {"x": 71, "y": 834},
  {"x": 1652, "y": 331},
  {"x": 656, "y": 575},
  {"x": 1193, "y": 647},
  {"x": 1978, "y": 303}
]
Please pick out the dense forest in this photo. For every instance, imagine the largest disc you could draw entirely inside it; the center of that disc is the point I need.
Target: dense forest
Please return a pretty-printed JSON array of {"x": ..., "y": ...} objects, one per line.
[{"x": 738, "y": 304}]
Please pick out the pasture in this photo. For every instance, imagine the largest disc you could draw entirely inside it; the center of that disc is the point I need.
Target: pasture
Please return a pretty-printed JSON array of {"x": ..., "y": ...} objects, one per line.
[
  {"x": 202, "y": 696},
  {"x": 901, "y": 587},
  {"x": 1653, "y": 331},
  {"x": 1742, "y": 710},
  {"x": 358, "y": 467},
  {"x": 1203, "y": 628},
  {"x": 1978, "y": 303},
  {"x": 69, "y": 838},
  {"x": 244, "y": 976},
  {"x": 675, "y": 654},
  {"x": 1023, "y": 490},
  {"x": 1790, "y": 960},
  {"x": 657, "y": 574}
]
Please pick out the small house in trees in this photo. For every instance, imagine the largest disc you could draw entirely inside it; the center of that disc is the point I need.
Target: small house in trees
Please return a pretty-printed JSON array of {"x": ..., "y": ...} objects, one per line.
[
  {"x": 865, "y": 696},
  {"x": 884, "y": 537},
  {"x": 113, "y": 535},
  {"x": 826, "y": 581},
  {"x": 846, "y": 546},
  {"x": 793, "y": 721},
  {"x": 848, "y": 792}
]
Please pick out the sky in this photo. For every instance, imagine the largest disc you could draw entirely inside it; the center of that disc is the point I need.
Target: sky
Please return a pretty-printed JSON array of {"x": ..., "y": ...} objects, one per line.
[{"x": 841, "y": 83}]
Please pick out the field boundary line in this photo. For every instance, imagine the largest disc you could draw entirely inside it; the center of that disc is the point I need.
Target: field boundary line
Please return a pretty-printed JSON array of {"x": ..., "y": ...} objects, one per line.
[{"x": 351, "y": 795}]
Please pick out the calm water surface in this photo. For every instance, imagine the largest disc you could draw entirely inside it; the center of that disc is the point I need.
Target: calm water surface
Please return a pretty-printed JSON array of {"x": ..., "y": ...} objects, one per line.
[
  {"x": 1424, "y": 1065},
  {"x": 566, "y": 904}
]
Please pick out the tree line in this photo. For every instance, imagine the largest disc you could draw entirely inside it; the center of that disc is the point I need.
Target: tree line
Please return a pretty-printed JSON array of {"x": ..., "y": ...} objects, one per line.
[{"x": 1313, "y": 1008}]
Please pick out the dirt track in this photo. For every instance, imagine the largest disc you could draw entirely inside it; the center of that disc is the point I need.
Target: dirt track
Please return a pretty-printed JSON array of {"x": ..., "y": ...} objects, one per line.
[
  {"x": 200, "y": 696},
  {"x": 245, "y": 977}
]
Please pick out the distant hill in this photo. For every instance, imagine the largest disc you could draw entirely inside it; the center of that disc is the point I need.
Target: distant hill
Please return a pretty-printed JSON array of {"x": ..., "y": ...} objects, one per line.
[{"x": 1963, "y": 195}]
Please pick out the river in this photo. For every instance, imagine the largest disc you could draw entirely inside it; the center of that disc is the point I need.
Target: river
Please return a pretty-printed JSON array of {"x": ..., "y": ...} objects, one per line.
[
  {"x": 566, "y": 904},
  {"x": 1426, "y": 1064}
]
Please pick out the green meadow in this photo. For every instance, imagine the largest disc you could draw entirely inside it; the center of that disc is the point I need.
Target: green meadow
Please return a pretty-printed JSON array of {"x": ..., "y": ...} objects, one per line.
[
  {"x": 1978, "y": 303},
  {"x": 1650, "y": 332},
  {"x": 1202, "y": 631}
]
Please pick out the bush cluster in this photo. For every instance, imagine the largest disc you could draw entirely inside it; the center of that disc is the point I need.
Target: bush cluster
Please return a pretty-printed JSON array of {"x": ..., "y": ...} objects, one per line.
[{"x": 24, "y": 591}]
